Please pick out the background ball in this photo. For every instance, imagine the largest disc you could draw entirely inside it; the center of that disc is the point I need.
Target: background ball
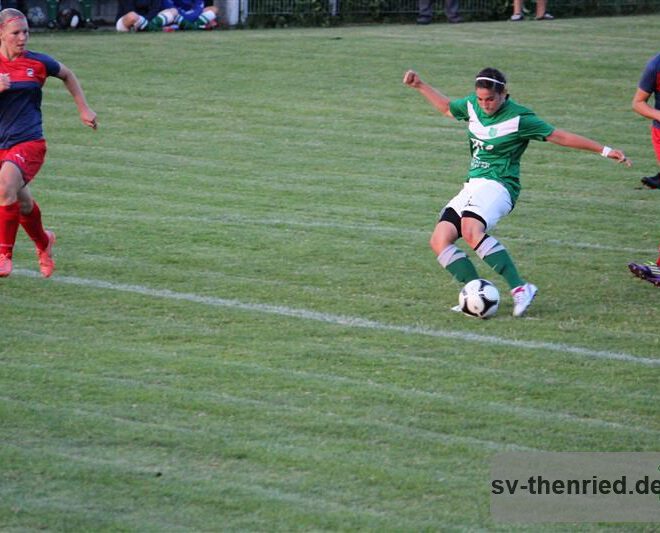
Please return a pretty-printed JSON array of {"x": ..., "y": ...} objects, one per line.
[{"x": 36, "y": 17}]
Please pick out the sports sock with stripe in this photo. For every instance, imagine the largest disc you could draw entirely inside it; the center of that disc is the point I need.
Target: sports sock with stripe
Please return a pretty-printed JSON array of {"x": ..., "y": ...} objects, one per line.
[
  {"x": 457, "y": 264},
  {"x": 496, "y": 256}
]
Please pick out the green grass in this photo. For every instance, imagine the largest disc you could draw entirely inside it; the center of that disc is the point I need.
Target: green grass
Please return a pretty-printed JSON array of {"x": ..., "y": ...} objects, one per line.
[{"x": 247, "y": 330}]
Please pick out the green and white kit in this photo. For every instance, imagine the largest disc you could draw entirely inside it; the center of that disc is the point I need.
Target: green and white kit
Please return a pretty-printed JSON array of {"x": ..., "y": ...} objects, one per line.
[{"x": 498, "y": 141}]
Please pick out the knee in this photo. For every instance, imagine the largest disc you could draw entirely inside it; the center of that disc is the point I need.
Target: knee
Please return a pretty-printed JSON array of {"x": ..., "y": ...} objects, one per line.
[
  {"x": 472, "y": 233},
  {"x": 439, "y": 241},
  {"x": 8, "y": 191},
  {"x": 26, "y": 205},
  {"x": 129, "y": 20}
]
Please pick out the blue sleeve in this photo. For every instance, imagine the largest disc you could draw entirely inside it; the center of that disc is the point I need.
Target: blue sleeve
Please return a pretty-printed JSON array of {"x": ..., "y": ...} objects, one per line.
[
  {"x": 648, "y": 82},
  {"x": 52, "y": 66},
  {"x": 194, "y": 11}
]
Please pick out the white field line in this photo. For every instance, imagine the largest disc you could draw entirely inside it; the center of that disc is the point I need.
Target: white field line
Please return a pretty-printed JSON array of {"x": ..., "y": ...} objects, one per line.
[
  {"x": 348, "y": 321},
  {"x": 378, "y": 228}
]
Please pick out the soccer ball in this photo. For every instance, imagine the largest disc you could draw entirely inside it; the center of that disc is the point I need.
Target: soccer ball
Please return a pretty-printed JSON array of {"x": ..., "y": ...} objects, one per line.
[
  {"x": 479, "y": 298},
  {"x": 36, "y": 17}
]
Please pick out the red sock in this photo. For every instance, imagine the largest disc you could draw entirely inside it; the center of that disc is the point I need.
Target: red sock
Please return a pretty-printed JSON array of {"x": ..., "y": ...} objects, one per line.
[
  {"x": 34, "y": 228},
  {"x": 9, "y": 215},
  {"x": 658, "y": 261}
]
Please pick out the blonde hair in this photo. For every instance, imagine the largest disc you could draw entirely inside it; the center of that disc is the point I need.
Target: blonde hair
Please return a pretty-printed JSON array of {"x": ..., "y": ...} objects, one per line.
[{"x": 9, "y": 14}]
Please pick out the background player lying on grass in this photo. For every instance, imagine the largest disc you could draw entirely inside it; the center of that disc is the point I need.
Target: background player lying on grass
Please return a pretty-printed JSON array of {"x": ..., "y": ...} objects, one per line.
[{"x": 174, "y": 14}]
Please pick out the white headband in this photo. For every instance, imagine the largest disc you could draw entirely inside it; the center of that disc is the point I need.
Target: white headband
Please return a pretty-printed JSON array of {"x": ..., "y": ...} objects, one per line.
[{"x": 489, "y": 79}]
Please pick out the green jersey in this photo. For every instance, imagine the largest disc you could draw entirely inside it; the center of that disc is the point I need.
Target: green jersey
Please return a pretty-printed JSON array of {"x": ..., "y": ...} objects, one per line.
[{"x": 498, "y": 141}]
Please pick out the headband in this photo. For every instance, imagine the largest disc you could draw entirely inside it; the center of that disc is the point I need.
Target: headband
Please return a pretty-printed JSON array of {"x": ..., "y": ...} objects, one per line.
[{"x": 484, "y": 78}]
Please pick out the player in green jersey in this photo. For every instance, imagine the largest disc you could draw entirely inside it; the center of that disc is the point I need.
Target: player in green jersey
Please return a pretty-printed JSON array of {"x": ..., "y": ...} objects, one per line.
[{"x": 499, "y": 131}]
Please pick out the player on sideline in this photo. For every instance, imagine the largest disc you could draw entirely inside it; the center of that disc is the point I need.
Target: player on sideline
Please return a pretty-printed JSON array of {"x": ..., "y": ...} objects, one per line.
[
  {"x": 174, "y": 15},
  {"x": 22, "y": 144},
  {"x": 499, "y": 131}
]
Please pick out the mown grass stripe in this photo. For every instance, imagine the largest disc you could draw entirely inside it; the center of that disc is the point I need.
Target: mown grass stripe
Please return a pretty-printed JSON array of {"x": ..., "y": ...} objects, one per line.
[
  {"x": 472, "y": 405},
  {"x": 229, "y": 219},
  {"x": 407, "y": 431}
]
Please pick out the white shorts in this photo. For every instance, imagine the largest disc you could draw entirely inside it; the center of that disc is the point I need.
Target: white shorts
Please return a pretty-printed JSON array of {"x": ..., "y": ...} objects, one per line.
[
  {"x": 487, "y": 198},
  {"x": 120, "y": 26},
  {"x": 140, "y": 25}
]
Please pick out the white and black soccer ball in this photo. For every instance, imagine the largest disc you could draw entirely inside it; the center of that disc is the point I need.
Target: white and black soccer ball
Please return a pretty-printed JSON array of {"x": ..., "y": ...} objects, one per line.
[
  {"x": 479, "y": 298},
  {"x": 36, "y": 17}
]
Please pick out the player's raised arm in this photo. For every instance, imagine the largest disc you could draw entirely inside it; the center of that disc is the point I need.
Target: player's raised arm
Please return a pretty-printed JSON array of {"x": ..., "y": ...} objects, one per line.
[
  {"x": 572, "y": 140},
  {"x": 435, "y": 97}
]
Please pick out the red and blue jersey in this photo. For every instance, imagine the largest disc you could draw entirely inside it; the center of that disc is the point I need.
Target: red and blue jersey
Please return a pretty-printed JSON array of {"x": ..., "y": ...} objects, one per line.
[
  {"x": 20, "y": 105},
  {"x": 650, "y": 82}
]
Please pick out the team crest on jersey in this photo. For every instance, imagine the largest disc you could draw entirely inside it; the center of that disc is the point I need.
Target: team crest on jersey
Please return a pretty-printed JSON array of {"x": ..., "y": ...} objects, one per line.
[
  {"x": 30, "y": 73},
  {"x": 492, "y": 132}
]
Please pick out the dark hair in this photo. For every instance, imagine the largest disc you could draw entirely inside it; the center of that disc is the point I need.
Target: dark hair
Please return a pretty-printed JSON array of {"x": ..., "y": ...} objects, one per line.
[{"x": 490, "y": 78}]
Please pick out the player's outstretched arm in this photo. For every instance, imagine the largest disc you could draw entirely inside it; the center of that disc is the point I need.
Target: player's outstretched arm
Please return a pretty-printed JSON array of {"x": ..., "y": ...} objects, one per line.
[
  {"x": 87, "y": 114},
  {"x": 436, "y": 98},
  {"x": 572, "y": 140}
]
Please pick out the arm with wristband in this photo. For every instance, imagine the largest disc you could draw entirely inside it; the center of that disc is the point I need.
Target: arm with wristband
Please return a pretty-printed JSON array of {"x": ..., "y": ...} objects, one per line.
[{"x": 572, "y": 140}]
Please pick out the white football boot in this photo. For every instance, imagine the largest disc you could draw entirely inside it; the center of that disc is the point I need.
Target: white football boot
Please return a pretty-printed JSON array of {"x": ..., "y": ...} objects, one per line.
[{"x": 523, "y": 297}]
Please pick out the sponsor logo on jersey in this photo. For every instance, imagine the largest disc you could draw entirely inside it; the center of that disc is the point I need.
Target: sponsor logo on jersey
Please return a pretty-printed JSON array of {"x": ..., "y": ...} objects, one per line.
[{"x": 490, "y": 132}]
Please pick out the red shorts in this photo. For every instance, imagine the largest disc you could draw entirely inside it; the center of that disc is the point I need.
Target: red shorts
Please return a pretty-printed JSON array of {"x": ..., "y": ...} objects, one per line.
[
  {"x": 655, "y": 138},
  {"x": 27, "y": 156}
]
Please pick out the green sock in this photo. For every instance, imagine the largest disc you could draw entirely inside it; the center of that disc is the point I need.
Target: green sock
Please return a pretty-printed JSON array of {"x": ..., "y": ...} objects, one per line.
[
  {"x": 51, "y": 9},
  {"x": 457, "y": 264},
  {"x": 155, "y": 24},
  {"x": 463, "y": 270},
  {"x": 496, "y": 257},
  {"x": 86, "y": 8},
  {"x": 188, "y": 25}
]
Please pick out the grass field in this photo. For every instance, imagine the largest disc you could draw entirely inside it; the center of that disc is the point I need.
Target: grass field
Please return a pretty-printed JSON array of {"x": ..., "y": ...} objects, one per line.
[{"x": 247, "y": 330}]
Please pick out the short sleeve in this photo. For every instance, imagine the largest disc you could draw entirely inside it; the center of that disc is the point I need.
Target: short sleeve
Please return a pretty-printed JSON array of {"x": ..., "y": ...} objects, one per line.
[
  {"x": 647, "y": 83},
  {"x": 533, "y": 128},
  {"x": 51, "y": 65},
  {"x": 458, "y": 108}
]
